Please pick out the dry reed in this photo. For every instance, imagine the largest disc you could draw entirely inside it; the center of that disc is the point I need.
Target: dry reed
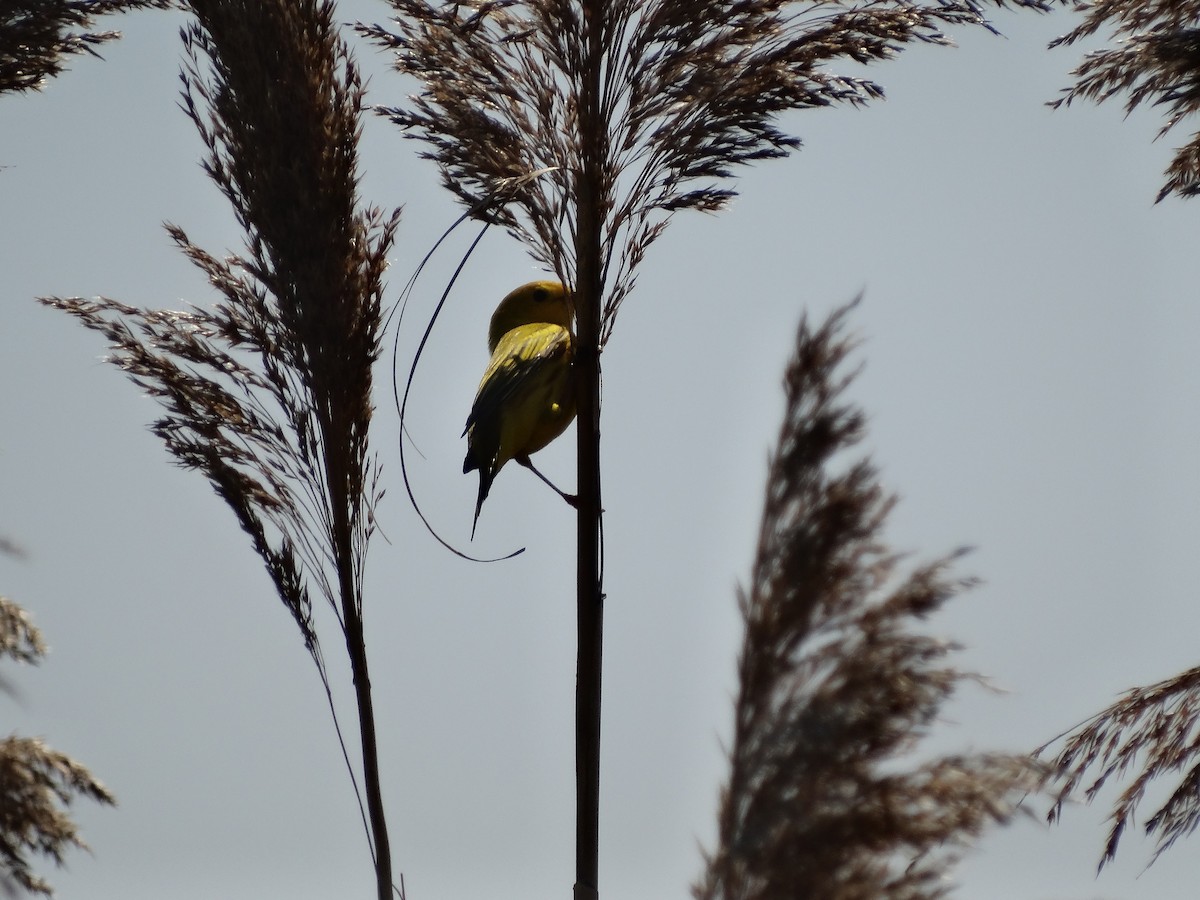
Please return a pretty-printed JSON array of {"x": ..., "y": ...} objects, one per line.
[
  {"x": 1156, "y": 61},
  {"x": 268, "y": 391},
  {"x": 826, "y": 797},
  {"x": 37, "y": 36}
]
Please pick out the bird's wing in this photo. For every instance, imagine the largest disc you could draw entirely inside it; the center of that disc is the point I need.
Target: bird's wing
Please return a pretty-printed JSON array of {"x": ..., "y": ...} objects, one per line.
[{"x": 525, "y": 358}]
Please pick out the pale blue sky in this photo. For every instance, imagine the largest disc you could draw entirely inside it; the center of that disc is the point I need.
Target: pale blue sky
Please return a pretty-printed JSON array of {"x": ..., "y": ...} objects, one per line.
[{"x": 1032, "y": 387}]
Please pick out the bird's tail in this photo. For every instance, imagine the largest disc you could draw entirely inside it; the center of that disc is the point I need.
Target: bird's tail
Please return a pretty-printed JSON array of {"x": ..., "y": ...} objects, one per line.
[{"x": 485, "y": 485}]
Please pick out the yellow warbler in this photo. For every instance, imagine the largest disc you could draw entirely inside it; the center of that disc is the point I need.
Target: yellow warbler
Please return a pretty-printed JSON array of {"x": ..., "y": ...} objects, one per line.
[{"x": 527, "y": 396}]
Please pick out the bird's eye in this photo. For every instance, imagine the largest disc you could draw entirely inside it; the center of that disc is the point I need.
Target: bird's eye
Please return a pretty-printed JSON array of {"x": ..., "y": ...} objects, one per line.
[{"x": 541, "y": 295}]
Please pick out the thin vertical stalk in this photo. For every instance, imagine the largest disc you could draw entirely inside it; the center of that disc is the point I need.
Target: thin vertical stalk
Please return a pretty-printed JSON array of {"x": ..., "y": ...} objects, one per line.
[
  {"x": 356, "y": 649},
  {"x": 589, "y": 593},
  {"x": 344, "y": 496},
  {"x": 370, "y": 756}
]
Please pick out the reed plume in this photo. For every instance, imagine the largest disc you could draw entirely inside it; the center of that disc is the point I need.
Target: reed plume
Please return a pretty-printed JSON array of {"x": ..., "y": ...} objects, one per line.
[
  {"x": 267, "y": 392},
  {"x": 686, "y": 94},
  {"x": 826, "y": 795},
  {"x": 1155, "y": 60},
  {"x": 37, "y": 782},
  {"x": 37, "y": 36},
  {"x": 1149, "y": 734}
]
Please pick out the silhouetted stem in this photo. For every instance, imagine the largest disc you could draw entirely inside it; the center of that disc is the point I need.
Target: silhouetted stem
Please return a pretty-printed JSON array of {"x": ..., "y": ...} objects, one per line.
[
  {"x": 370, "y": 754},
  {"x": 590, "y": 596},
  {"x": 356, "y": 649}
]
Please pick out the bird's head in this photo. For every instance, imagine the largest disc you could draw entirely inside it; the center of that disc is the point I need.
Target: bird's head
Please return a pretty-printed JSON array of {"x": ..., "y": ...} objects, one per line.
[{"x": 538, "y": 301}]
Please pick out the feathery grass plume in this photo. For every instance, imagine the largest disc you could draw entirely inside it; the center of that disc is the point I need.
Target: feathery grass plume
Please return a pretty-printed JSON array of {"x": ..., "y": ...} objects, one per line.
[
  {"x": 1157, "y": 61},
  {"x": 825, "y": 796},
  {"x": 268, "y": 393},
  {"x": 37, "y": 783},
  {"x": 20, "y": 639},
  {"x": 687, "y": 92},
  {"x": 1159, "y": 725},
  {"x": 36, "y": 36}
]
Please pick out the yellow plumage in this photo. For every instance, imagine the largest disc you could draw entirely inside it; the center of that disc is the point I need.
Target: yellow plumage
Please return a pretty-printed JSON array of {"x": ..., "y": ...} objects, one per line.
[{"x": 527, "y": 395}]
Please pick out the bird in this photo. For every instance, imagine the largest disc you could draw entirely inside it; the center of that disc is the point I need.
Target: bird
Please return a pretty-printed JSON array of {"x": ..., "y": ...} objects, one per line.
[{"x": 526, "y": 397}]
